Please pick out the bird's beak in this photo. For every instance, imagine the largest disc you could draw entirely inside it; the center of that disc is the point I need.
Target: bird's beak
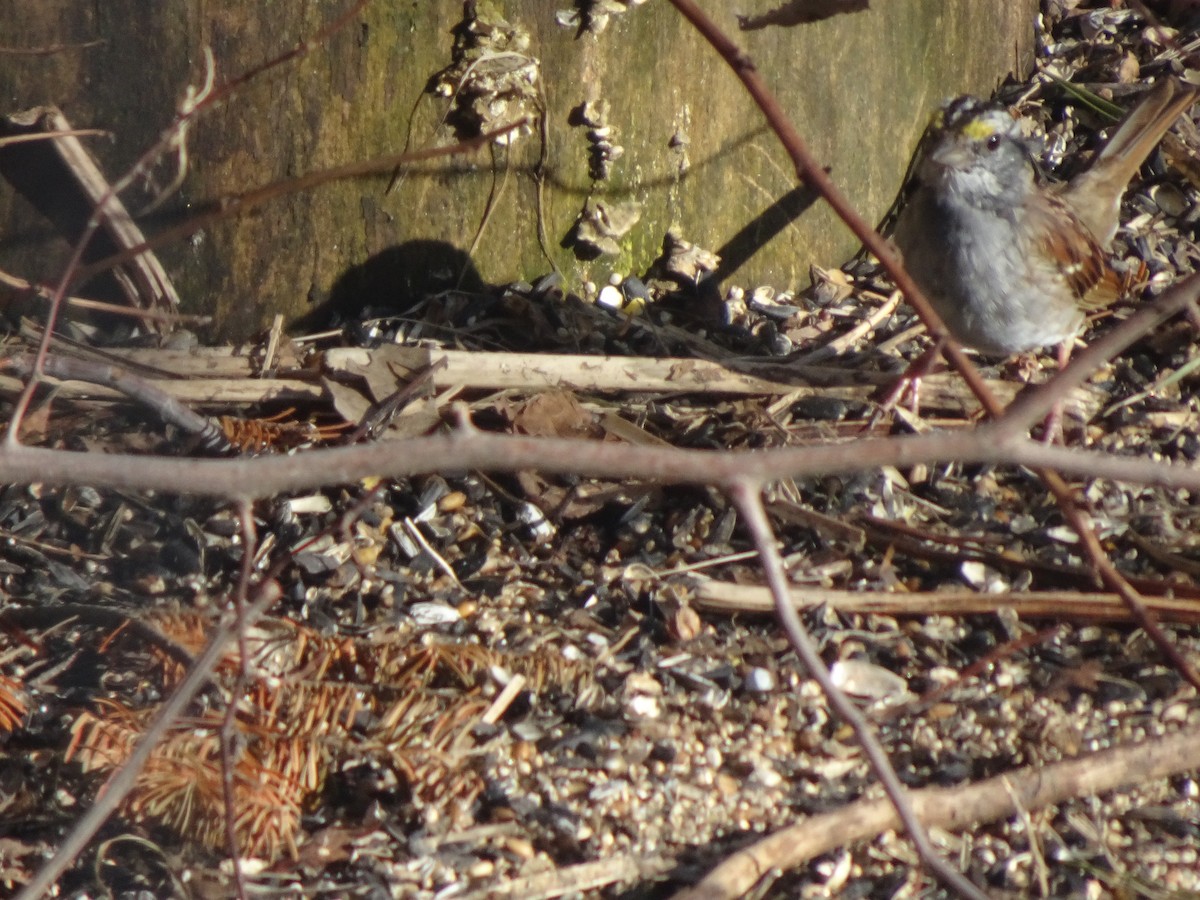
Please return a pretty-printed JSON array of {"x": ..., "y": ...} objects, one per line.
[{"x": 951, "y": 155}]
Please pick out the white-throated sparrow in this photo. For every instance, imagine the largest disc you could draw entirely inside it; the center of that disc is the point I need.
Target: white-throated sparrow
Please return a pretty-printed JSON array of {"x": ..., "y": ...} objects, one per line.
[{"x": 1010, "y": 263}]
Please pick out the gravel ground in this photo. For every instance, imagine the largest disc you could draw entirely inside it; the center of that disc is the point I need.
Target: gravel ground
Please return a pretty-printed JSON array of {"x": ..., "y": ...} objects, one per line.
[{"x": 481, "y": 686}]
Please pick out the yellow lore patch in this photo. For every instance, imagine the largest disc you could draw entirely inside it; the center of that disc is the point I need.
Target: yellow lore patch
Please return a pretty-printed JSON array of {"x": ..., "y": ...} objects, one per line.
[{"x": 978, "y": 128}]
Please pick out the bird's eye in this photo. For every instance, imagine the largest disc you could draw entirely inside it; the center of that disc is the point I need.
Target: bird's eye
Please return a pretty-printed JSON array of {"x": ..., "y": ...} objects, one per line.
[{"x": 993, "y": 141}]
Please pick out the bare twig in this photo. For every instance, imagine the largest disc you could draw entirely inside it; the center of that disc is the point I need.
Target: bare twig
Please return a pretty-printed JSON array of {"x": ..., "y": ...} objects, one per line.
[
  {"x": 214, "y": 376},
  {"x": 168, "y": 408},
  {"x": 576, "y": 880},
  {"x": 230, "y": 746},
  {"x": 747, "y": 495},
  {"x": 474, "y": 449},
  {"x": 49, "y": 49},
  {"x": 1078, "y": 606},
  {"x": 1034, "y": 787},
  {"x": 113, "y": 309},
  {"x": 11, "y": 139},
  {"x": 503, "y": 700}
]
